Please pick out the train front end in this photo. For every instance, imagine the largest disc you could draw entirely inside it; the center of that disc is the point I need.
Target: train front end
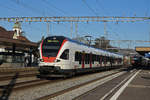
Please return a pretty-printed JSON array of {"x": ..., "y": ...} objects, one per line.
[{"x": 50, "y": 48}]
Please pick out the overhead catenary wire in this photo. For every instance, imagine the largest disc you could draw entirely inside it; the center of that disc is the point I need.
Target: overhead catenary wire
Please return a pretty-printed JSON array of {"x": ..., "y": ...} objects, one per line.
[
  {"x": 9, "y": 8},
  {"x": 47, "y": 6},
  {"x": 53, "y": 6},
  {"x": 99, "y": 3},
  {"x": 90, "y": 8},
  {"x": 12, "y": 9},
  {"x": 147, "y": 7},
  {"x": 27, "y": 6}
]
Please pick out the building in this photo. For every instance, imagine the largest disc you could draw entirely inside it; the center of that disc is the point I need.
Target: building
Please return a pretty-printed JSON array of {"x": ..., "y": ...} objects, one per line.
[{"x": 16, "y": 49}]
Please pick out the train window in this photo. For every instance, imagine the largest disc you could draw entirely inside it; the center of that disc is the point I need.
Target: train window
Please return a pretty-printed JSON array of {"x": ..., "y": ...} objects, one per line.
[
  {"x": 65, "y": 54},
  {"x": 87, "y": 58},
  {"x": 110, "y": 59},
  {"x": 93, "y": 58},
  {"x": 120, "y": 60},
  {"x": 107, "y": 59},
  {"x": 113, "y": 60},
  {"x": 103, "y": 58},
  {"x": 76, "y": 56},
  {"x": 100, "y": 59},
  {"x": 97, "y": 57},
  {"x": 80, "y": 58}
]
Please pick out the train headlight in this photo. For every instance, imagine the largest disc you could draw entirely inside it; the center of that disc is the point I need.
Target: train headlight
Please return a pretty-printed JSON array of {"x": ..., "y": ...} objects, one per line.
[{"x": 57, "y": 60}]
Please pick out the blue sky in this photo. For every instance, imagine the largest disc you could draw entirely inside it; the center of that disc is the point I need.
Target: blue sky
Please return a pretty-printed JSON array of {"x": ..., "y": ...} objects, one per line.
[{"x": 37, "y": 8}]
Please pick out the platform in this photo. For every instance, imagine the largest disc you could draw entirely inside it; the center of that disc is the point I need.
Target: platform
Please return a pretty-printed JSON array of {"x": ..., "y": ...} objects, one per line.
[{"x": 139, "y": 88}]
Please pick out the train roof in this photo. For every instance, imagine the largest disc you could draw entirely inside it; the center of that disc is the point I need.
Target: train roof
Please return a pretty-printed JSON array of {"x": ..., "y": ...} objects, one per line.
[{"x": 79, "y": 43}]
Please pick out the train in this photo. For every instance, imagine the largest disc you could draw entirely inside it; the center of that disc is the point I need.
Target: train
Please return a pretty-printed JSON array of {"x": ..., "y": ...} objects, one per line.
[
  {"x": 140, "y": 61},
  {"x": 61, "y": 56}
]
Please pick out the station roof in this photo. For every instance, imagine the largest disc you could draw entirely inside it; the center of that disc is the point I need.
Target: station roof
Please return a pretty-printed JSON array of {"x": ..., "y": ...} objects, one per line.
[
  {"x": 7, "y": 41},
  {"x": 142, "y": 50},
  {"x": 146, "y": 49}
]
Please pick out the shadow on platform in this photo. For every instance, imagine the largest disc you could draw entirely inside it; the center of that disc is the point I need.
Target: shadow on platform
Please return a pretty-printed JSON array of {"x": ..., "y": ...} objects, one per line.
[
  {"x": 144, "y": 68},
  {"x": 8, "y": 88},
  {"x": 145, "y": 77}
]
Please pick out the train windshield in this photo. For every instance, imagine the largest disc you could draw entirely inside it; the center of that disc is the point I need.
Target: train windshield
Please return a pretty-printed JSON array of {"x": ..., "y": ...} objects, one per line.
[{"x": 51, "y": 46}]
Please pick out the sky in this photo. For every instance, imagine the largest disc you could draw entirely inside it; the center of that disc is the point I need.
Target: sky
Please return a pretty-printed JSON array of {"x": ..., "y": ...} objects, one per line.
[{"x": 47, "y": 8}]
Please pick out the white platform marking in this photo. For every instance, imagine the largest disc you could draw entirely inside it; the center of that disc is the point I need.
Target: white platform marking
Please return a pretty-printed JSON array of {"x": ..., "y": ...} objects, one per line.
[{"x": 117, "y": 94}]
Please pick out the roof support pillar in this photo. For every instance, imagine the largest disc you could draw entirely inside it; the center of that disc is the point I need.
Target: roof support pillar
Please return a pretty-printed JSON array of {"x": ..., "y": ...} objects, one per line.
[{"x": 13, "y": 52}]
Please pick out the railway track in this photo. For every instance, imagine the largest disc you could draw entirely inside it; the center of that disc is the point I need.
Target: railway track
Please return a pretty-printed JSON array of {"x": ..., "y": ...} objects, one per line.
[
  {"x": 9, "y": 77},
  {"x": 4, "y": 71},
  {"x": 64, "y": 94},
  {"x": 30, "y": 84},
  {"x": 23, "y": 74},
  {"x": 52, "y": 96},
  {"x": 24, "y": 86}
]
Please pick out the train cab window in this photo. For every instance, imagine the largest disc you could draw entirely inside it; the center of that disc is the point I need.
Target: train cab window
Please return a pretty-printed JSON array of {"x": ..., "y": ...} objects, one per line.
[{"x": 65, "y": 54}]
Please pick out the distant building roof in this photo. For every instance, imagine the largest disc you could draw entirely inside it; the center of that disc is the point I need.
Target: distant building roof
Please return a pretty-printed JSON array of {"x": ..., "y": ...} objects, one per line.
[
  {"x": 6, "y": 38},
  {"x": 6, "y": 34},
  {"x": 9, "y": 34}
]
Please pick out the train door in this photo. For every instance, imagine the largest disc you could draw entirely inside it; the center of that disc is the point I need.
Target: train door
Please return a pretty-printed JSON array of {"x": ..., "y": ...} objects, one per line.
[
  {"x": 104, "y": 61},
  {"x": 90, "y": 60},
  {"x": 100, "y": 61},
  {"x": 111, "y": 62}
]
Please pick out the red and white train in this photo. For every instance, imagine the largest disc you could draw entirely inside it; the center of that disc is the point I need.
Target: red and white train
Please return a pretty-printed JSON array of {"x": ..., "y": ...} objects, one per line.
[{"x": 63, "y": 56}]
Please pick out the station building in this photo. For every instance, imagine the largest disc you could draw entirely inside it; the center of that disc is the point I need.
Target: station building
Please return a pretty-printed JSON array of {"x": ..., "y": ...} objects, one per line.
[{"x": 15, "y": 49}]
